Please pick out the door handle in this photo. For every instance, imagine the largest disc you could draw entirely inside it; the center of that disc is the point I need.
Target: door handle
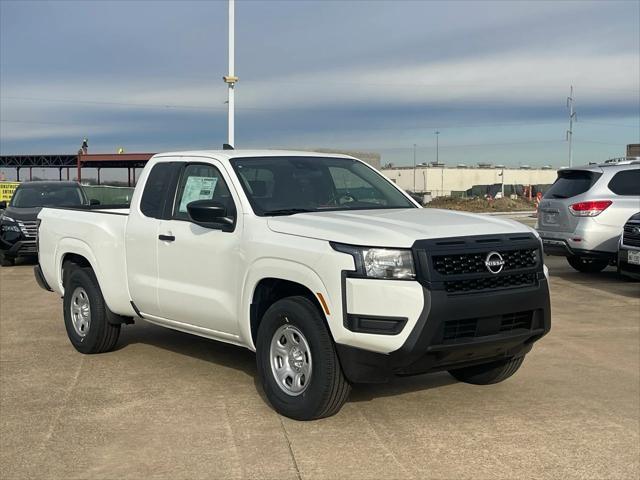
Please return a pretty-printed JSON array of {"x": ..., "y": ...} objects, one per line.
[{"x": 166, "y": 238}]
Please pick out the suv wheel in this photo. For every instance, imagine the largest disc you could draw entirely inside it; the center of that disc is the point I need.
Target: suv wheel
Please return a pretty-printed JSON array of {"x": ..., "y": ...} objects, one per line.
[
  {"x": 488, "y": 373},
  {"x": 297, "y": 362},
  {"x": 587, "y": 265},
  {"x": 85, "y": 314}
]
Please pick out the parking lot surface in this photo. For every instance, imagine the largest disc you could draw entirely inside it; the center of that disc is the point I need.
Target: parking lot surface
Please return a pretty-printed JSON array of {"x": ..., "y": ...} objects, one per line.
[{"x": 169, "y": 405}]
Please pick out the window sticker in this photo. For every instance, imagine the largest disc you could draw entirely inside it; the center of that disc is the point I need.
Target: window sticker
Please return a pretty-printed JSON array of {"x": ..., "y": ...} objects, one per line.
[{"x": 197, "y": 188}]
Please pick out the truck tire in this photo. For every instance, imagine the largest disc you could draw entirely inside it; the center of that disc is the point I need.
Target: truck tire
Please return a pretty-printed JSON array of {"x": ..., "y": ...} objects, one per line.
[
  {"x": 587, "y": 265},
  {"x": 488, "y": 373},
  {"x": 297, "y": 362},
  {"x": 85, "y": 313}
]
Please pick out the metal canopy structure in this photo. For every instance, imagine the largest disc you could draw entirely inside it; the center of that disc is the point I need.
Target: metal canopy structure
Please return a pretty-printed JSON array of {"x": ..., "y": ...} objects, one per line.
[{"x": 130, "y": 161}]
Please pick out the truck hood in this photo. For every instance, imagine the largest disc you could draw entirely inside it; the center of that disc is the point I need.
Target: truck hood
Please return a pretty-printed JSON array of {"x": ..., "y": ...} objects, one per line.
[{"x": 391, "y": 227}]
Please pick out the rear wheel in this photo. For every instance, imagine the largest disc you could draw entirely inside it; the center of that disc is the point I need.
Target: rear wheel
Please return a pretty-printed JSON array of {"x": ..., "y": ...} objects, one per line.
[
  {"x": 488, "y": 373},
  {"x": 587, "y": 265},
  {"x": 297, "y": 362},
  {"x": 85, "y": 314}
]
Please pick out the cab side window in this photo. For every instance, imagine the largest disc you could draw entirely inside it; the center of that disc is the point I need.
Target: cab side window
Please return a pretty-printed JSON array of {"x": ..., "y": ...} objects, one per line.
[
  {"x": 158, "y": 190},
  {"x": 201, "y": 182}
]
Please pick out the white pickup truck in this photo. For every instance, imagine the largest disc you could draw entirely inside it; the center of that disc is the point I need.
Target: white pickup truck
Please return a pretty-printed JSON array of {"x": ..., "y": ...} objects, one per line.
[{"x": 317, "y": 262}]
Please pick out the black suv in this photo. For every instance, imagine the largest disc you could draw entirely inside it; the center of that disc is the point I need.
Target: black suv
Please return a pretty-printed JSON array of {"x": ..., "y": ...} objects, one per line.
[{"x": 18, "y": 222}]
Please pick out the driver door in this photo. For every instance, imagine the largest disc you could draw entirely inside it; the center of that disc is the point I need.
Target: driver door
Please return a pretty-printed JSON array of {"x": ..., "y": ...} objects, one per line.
[{"x": 198, "y": 267}]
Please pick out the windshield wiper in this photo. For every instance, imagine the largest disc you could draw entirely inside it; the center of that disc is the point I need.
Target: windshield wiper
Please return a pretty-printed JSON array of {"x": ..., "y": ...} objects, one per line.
[{"x": 287, "y": 211}]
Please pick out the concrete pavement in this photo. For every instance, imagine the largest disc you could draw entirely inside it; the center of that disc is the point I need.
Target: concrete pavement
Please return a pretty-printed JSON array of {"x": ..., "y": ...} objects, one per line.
[{"x": 169, "y": 405}]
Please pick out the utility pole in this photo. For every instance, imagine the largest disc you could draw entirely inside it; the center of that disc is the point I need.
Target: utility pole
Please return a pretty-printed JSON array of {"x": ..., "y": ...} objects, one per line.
[
  {"x": 231, "y": 78},
  {"x": 414, "y": 168},
  {"x": 572, "y": 117},
  {"x": 437, "y": 147}
]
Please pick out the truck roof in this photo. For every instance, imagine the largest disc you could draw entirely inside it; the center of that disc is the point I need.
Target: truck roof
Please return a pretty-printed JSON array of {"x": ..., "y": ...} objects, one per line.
[{"x": 225, "y": 155}]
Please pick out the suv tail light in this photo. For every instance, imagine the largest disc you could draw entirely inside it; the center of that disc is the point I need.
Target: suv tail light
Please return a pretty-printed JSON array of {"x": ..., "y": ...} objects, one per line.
[{"x": 589, "y": 209}]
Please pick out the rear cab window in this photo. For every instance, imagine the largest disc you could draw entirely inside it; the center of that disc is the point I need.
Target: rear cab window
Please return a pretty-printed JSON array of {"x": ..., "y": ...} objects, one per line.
[
  {"x": 571, "y": 183},
  {"x": 158, "y": 192},
  {"x": 626, "y": 183}
]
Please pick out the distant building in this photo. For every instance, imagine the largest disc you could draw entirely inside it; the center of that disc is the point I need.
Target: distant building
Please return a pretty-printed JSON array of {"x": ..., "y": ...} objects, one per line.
[
  {"x": 372, "y": 158},
  {"x": 444, "y": 180}
]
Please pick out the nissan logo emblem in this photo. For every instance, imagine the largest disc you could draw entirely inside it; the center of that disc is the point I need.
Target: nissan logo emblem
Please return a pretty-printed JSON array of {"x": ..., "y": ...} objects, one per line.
[{"x": 494, "y": 262}]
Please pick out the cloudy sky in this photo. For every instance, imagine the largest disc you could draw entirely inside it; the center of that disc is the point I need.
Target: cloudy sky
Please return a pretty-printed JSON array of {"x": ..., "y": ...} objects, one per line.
[{"x": 492, "y": 77}]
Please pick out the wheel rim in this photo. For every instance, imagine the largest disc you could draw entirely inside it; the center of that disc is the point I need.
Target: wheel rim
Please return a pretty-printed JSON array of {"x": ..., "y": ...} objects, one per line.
[
  {"x": 80, "y": 311},
  {"x": 290, "y": 357}
]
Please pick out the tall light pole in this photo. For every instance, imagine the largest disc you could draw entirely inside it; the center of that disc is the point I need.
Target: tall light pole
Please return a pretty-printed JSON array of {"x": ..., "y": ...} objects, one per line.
[
  {"x": 437, "y": 133},
  {"x": 231, "y": 78},
  {"x": 572, "y": 117},
  {"x": 414, "y": 168}
]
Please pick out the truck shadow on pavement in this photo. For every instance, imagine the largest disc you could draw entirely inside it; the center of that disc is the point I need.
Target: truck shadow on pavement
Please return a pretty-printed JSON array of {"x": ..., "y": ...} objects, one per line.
[{"x": 243, "y": 360}]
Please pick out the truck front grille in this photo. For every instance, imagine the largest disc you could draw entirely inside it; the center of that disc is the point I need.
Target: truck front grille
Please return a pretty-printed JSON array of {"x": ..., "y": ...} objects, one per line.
[
  {"x": 491, "y": 283},
  {"x": 474, "y": 262},
  {"x": 631, "y": 234},
  {"x": 459, "y": 266},
  {"x": 483, "y": 326}
]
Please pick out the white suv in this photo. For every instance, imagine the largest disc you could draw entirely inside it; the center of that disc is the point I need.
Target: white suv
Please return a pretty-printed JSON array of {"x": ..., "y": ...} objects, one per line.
[{"x": 581, "y": 216}]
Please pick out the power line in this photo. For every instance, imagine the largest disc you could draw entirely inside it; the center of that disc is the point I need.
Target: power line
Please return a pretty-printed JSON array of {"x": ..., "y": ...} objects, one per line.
[{"x": 611, "y": 124}]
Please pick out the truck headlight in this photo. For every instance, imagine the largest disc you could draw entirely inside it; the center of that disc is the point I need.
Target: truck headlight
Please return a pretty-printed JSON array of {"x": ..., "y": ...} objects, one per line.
[{"x": 386, "y": 263}]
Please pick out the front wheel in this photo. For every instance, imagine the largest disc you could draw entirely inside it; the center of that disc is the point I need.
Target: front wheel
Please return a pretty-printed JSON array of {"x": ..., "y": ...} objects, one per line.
[
  {"x": 587, "y": 265},
  {"x": 297, "y": 362},
  {"x": 488, "y": 373}
]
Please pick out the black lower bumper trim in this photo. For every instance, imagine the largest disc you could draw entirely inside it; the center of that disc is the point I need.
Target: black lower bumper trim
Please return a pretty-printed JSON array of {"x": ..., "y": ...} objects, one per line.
[
  {"x": 375, "y": 324},
  {"x": 42, "y": 283}
]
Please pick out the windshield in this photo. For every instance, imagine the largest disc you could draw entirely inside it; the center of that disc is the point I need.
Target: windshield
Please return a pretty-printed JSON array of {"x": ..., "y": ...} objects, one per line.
[
  {"x": 571, "y": 183},
  {"x": 47, "y": 195},
  {"x": 287, "y": 185}
]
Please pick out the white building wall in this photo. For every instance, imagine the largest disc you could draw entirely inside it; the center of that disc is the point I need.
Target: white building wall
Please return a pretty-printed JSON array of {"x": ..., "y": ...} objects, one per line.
[{"x": 442, "y": 181}]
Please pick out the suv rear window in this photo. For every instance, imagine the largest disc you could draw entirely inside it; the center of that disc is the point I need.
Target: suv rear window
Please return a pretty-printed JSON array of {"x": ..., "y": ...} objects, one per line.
[
  {"x": 626, "y": 182},
  {"x": 571, "y": 183}
]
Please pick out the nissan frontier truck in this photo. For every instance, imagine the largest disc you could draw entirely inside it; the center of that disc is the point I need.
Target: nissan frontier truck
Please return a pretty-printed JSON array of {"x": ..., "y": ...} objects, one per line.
[{"x": 326, "y": 269}]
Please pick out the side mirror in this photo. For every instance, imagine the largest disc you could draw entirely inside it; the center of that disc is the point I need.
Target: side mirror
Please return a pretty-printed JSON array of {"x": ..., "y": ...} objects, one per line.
[
  {"x": 93, "y": 201},
  {"x": 3, "y": 204},
  {"x": 209, "y": 214}
]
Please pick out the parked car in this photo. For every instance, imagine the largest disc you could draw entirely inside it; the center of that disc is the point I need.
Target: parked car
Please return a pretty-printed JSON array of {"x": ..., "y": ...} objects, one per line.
[
  {"x": 18, "y": 220},
  {"x": 320, "y": 264},
  {"x": 629, "y": 249},
  {"x": 581, "y": 215}
]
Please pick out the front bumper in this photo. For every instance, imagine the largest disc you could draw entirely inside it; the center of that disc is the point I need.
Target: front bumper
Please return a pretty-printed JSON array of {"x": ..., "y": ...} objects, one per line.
[
  {"x": 433, "y": 344},
  {"x": 624, "y": 267},
  {"x": 467, "y": 314},
  {"x": 21, "y": 248}
]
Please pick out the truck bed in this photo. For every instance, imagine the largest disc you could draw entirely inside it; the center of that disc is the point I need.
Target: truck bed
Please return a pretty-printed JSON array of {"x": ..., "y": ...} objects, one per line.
[{"x": 95, "y": 232}]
